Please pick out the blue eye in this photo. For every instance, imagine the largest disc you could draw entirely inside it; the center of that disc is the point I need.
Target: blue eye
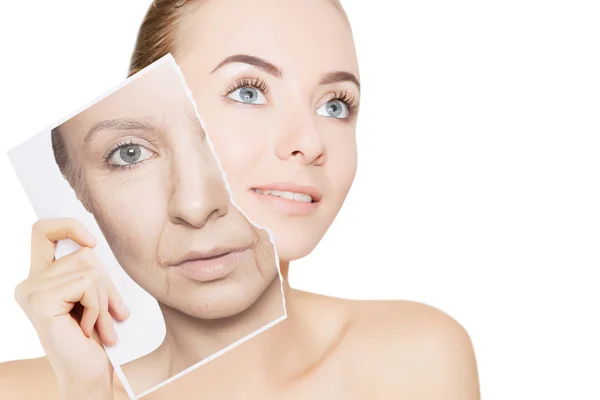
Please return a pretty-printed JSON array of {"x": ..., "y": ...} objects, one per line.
[
  {"x": 334, "y": 108},
  {"x": 248, "y": 95},
  {"x": 248, "y": 91},
  {"x": 129, "y": 154}
]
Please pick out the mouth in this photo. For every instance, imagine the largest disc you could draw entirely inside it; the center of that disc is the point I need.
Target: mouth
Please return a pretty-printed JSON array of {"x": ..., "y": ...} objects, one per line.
[
  {"x": 292, "y": 196},
  {"x": 290, "y": 192},
  {"x": 288, "y": 198},
  {"x": 210, "y": 266}
]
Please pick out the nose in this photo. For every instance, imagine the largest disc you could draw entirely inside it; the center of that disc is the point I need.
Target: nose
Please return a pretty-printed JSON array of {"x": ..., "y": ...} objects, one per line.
[
  {"x": 198, "y": 191},
  {"x": 302, "y": 141}
]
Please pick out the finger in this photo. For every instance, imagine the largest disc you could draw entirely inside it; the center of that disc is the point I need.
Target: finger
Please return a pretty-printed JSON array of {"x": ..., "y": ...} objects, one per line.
[
  {"x": 46, "y": 232},
  {"x": 116, "y": 305},
  {"x": 81, "y": 260},
  {"x": 104, "y": 324},
  {"x": 22, "y": 294},
  {"x": 46, "y": 298},
  {"x": 57, "y": 297},
  {"x": 55, "y": 288},
  {"x": 85, "y": 259},
  {"x": 89, "y": 300}
]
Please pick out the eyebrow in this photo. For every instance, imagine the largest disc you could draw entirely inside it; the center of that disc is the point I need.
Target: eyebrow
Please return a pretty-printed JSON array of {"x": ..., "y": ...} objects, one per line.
[
  {"x": 339, "y": 76},
  {"x": 251, "y": 60},
  {"x": 262, "y": 64},
  {"x": 117, "y": 124}
]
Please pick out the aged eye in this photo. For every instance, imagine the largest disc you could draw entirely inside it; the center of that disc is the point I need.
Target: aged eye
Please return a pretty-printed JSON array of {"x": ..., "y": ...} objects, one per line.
[{"x": 129, "y": 154}]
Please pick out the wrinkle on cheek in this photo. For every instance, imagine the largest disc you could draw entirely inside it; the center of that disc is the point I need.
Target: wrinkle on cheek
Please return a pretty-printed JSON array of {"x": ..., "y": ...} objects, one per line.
[
  {"x": 165, "y": 246},
  {"x": 167, "y": 286},
  {"x": 110, "y": 222},
  {"x": 253, "y": 237},
  {"x": 161, "y": 253},
  {"x": 133, "y": 230},
  {"x": 120, "y": 230},
  {"x": 264, "y": 257}
]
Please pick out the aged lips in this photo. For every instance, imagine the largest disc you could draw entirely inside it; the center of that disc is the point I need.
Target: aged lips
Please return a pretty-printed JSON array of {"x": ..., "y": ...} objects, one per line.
[{"x": 212, "y": 267}]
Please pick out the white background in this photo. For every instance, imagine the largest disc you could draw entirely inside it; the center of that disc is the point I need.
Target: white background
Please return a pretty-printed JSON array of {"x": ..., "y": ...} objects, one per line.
[{"x": 478, "y": 188}]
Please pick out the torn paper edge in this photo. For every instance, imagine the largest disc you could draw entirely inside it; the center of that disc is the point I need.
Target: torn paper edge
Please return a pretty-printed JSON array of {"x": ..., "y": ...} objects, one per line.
[{"x": 190, "y": 96}]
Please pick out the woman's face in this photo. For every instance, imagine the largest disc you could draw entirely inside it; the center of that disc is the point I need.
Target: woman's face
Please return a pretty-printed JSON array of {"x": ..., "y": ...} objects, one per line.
[
  {"x": 276, "y": 83},
  {"x": 158, "y": 195}
]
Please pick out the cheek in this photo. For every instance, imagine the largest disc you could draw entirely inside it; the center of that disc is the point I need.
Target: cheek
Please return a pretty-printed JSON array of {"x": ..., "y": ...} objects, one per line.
[
  {"x": 130, "y": 217},
  {"x": 236, "y": 132},
  {"x": 238, "y": 142},
  {"x": 342, "y": 161}
]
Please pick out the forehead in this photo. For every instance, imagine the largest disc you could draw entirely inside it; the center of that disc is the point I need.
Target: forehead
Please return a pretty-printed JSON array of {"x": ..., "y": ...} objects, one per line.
[
  {"x": 158, "y": 94},
  {"x": 299, "y": 36}
]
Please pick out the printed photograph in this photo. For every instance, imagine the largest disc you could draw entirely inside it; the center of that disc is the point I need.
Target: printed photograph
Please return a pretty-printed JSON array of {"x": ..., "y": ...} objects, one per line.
[{"x": 136, "y": 168}]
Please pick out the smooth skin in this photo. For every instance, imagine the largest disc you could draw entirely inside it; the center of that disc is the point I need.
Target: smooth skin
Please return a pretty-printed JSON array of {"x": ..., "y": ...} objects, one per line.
[{"x": 327, "y": 348}]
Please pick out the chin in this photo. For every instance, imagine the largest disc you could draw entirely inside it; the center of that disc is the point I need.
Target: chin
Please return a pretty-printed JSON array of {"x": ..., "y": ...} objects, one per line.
[
  {"x": 294, "y": 247},
  {"x": 217, "y": 311},
  {"x": 222, "y": 304}
]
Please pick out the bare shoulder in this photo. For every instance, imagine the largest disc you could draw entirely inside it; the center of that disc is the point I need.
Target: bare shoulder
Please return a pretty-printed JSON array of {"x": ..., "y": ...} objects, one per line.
[
  {"x": 28, "y": 379},
  {"x": 416, "y": 348},
  {"x": 409, "y": 317}
]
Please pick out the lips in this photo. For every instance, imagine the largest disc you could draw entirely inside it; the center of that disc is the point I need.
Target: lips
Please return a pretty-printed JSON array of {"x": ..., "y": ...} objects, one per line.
[
  {"x": 288, "y": 199},
  {"x": 211, "y": 254},
  {"x": 290, "y": 191},
  {"x": 211, "y": 265},
  {"x": 293, "y": 196}
]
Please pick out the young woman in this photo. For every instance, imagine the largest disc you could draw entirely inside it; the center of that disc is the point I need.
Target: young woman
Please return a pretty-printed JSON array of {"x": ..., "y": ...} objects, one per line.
[{"x": 278, "y": 86}]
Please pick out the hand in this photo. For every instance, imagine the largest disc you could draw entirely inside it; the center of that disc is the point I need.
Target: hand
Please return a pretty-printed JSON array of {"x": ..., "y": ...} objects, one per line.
[{"x": 71, "y": 302}]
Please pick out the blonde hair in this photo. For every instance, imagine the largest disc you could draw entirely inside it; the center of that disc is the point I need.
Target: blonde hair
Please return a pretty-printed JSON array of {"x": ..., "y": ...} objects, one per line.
[{"x": 156, "y": 37}]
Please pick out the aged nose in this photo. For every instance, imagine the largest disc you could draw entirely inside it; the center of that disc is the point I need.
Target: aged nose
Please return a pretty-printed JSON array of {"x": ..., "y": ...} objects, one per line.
[{"x": 199, "y": 193}]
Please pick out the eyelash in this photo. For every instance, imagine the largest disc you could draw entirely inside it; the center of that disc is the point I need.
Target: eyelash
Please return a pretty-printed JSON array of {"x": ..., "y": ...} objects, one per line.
[
  {"x": 117, "y": 146},
  {"x": 348, "y": 99},
  {"x": 258, "y": 83}
]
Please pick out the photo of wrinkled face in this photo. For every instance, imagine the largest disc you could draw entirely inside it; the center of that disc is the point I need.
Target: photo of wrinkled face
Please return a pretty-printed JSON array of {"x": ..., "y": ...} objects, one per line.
[
  {"x": 278, "y": 87},
  {"x": 141, "y": 164}
]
